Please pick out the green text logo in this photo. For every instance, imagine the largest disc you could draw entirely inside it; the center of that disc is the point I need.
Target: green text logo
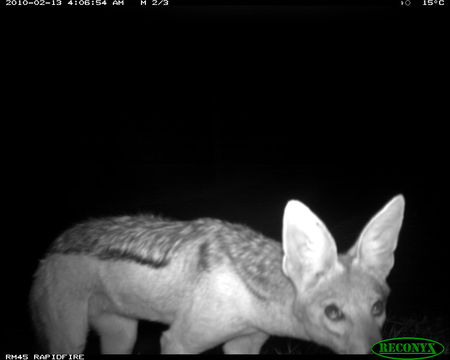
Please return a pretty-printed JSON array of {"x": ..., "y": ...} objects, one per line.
[{"x": 407, "y": 348}]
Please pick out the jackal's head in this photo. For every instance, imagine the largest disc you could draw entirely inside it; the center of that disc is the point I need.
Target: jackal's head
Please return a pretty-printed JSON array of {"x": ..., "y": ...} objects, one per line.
[{"x": 340, "y": 299}]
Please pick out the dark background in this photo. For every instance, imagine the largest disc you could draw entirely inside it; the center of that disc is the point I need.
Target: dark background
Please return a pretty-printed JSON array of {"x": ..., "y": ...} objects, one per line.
[{"x": 228, "y": 113}]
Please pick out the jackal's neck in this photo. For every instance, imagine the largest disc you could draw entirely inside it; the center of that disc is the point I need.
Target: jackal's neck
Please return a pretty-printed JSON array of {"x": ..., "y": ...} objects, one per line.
[
  {"x": 275, "y": 315},
  {"x": 258, "y": 262}
]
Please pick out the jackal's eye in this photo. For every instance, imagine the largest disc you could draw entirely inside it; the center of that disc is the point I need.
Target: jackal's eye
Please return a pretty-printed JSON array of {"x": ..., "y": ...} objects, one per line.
[
  {"x": 378, "y": 308},
  {"x": 334, "y": 313}
]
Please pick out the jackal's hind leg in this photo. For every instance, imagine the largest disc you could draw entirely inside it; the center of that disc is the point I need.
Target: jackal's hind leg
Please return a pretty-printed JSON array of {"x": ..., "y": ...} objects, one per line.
[
  {"x": 117, "y": 333},
  {"x": 66, "y": 329},
  {"x": 246, "y": 344}
]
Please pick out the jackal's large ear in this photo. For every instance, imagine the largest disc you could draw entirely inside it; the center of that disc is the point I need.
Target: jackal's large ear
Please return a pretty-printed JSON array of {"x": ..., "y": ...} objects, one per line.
[
  {"x": 309, "y": 248},
  {"x": 375, "y": 247}
]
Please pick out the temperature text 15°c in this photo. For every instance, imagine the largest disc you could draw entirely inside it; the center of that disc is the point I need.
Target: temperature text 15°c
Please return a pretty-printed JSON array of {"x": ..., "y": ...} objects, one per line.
[{"x": 433, "y": 2}]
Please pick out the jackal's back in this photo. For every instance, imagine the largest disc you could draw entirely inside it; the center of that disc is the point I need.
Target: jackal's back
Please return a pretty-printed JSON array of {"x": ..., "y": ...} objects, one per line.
[{"x": 156, "y": 242}]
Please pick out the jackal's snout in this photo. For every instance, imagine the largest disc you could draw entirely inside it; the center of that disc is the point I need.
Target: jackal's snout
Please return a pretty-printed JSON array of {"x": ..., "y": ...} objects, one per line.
[{"x": 362, "y": 341}]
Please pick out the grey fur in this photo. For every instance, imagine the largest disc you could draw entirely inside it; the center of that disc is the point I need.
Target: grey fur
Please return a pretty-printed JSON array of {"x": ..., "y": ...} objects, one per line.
[
  {"x": 214, "y": 282},
  {"x": 155, "y": 241},
  {"x": 204, "y": 257}
]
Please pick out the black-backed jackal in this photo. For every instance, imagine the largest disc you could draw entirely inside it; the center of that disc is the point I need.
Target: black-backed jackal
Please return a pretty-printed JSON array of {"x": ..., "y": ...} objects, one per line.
[{"x": 215, "y": 283}]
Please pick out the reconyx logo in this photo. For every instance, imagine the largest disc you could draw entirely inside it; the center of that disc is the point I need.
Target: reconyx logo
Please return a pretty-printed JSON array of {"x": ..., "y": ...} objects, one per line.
[{"x": 407, "y": 348}]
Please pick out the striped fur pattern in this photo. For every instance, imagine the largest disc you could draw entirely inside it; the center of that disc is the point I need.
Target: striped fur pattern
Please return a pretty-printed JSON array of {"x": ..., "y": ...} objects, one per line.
[
  {"x": 155, "y": 241},
  {"x": 214, "y": 282}
]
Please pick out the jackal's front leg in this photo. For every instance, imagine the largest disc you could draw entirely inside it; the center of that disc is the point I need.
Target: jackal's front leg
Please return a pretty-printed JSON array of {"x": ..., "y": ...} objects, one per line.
[
  {"x": 171, "y": 343},
  {"x": 246, "y": 344}
]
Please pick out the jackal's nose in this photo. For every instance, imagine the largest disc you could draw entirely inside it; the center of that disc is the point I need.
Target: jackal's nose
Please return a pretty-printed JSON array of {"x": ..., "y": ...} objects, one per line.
[
  {"x": 368, "y": 335},
  {"x": 363, "y": 346}
]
